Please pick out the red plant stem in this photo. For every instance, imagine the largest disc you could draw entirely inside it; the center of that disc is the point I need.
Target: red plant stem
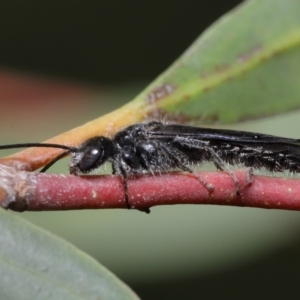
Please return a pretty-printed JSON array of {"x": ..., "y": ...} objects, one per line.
[{"x": 40, "y": 192}]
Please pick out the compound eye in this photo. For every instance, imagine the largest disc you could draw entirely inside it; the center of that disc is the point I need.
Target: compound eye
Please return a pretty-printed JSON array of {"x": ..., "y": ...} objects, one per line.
[{"x": 90, "y": 159}]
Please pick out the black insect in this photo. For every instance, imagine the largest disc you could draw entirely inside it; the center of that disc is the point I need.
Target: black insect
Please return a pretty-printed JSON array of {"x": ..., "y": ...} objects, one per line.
[{"x": 156, "y": 148}]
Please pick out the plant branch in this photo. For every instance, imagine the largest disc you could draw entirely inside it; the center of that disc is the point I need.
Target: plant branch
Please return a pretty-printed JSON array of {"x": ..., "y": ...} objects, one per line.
[{"x": 40, "y": 192}]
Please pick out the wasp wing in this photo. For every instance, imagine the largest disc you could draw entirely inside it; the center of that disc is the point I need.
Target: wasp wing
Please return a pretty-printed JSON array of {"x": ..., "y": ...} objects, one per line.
[
  {"x": 167, "y": 132},
  {"x": 248, "y": 148}
]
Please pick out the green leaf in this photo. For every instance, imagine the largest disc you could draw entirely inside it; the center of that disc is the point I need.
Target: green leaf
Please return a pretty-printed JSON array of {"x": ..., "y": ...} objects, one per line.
[
  {"x": 244, "y": 66},
  {"x": 37, "y": 265}
]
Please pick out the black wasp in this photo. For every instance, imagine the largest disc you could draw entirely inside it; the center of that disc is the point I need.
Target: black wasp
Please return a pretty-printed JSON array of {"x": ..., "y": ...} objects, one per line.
[{"x": 155, "y": 147}]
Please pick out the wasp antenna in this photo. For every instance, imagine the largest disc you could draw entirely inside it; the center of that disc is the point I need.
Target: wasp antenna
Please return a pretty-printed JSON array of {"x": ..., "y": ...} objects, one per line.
[
  {"x": 43, "y": 145},
  {"x": 52, "y": 162}
]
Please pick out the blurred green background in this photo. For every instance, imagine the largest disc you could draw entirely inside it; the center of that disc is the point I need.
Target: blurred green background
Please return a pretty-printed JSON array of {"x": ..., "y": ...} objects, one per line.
[{"x": 65, "y": 63}]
